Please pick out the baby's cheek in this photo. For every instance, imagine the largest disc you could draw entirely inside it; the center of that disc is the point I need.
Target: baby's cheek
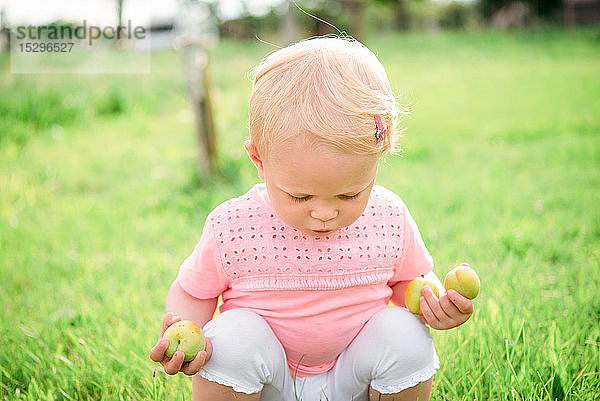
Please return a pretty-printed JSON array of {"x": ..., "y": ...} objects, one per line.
[
  {"x": 295, "y": 217},
  {"x": 360, "y": 208},
  {"x": 355, "y": 212}
]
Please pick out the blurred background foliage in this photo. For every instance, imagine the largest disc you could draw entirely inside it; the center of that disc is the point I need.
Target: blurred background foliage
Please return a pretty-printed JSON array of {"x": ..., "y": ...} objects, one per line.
[
  {"x": 28, "y": 108},
  {"x": 369, "y": 16}
]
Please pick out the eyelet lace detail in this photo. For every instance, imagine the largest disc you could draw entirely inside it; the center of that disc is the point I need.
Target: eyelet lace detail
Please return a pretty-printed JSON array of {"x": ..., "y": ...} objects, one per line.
[{"x": 258, "y": 251}]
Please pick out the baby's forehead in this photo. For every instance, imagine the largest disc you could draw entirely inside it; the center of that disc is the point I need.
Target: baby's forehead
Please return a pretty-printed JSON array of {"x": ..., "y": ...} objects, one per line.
[
  {"x": 315, "y": 157},
  {"x": 301, "y": 142}
]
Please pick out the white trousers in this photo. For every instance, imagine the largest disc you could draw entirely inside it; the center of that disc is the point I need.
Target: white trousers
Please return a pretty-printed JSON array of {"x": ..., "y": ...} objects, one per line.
[{"x": 392, "y": 352}]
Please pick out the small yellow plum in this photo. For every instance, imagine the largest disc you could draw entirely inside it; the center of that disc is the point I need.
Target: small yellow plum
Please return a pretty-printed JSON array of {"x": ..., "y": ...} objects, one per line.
[
  {"x": 185, "y": 336},
  {"x": 412, "y": 295},
  {"x": 464, "y": 280}
]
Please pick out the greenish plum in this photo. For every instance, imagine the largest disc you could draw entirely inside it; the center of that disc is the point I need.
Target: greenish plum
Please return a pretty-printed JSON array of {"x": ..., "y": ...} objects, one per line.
[
  {"x": 464, "y": 280},
  {"x": 185, "y": 336},
  {"x": 412, "y": 295}
]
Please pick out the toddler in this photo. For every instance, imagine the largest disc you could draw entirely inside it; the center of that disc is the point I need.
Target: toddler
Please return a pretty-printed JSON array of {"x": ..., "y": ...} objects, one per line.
[{"x": 308, "y": 261}]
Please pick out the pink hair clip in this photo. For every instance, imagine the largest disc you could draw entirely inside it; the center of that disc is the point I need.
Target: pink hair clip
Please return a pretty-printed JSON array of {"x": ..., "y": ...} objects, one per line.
[{"x": 381, "y": 130}]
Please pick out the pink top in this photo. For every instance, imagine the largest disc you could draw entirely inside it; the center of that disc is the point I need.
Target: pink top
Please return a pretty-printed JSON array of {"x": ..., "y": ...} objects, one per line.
[{"x": 315, "y": 293}]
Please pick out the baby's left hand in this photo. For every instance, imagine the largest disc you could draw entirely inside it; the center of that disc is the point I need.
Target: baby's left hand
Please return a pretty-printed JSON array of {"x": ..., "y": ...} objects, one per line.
[{"x": 451, "y": 310}]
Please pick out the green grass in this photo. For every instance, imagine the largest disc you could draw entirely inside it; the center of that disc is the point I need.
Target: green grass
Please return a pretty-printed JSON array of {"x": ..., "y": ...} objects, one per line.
[{"x": 100, "y": 203}]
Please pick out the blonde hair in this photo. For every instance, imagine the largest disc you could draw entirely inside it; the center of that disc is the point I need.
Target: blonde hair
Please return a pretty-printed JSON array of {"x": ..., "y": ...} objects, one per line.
[{"x": 328, "y": 87}]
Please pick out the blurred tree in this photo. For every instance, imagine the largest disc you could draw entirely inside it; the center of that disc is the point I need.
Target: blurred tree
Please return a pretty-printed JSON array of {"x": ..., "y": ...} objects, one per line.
[
  {"x": 289, "y": 25},
  {"x": 320, "y": 17},
  {"x": 355, "y": 13},
  {"x": 455, "y": 15},
  {"x": 541, "y": 8},
  {"x": 249, "y": 26},
  {"x": 401, "y": 14},
  {"x": 333, "y": 16}
]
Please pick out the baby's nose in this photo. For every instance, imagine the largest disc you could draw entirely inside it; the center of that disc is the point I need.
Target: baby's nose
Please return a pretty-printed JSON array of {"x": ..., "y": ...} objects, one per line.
[{"x": 324, "y": 214}]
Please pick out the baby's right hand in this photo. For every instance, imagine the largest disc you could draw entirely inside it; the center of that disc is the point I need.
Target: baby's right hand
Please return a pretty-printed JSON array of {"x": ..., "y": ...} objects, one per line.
[{"x": 176, "y": 364}]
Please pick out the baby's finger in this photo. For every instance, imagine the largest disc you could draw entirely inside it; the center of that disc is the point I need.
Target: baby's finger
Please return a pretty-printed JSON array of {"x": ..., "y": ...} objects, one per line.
[
  {"x": 193, "y": 367},
  {"x": 433, "y": 303},
  {"x": 448, "y": 307},
  {"x": 173, "y": 366},
  {"x": 168, "y": 320},
  {"x": 157, "y": 353},
  {"x": 208, "y": 350},
  {"x": 464, "y": 304},
  {"x": 428, "y": 315}
]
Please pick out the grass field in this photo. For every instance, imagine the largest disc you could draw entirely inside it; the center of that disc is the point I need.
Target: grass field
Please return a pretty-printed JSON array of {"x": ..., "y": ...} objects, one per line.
[{"x": 100, "y": 203}]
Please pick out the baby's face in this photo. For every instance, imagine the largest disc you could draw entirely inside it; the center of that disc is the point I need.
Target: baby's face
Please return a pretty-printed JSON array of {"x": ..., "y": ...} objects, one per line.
[{"x": 319, "y": 191}]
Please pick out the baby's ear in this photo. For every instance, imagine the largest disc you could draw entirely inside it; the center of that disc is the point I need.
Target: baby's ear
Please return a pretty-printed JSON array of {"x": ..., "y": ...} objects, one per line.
[{"x": 255, "y": 157}]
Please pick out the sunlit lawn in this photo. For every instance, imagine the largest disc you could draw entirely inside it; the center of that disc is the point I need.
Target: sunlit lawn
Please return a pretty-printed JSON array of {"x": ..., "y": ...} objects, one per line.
[{"x": 100, "y": 203}]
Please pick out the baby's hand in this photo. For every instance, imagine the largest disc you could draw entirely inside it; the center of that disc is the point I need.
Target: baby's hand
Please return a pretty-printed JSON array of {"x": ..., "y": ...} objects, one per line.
[
  {"x": 176, "y": 364},
  {"x": 451, "y": 310}
]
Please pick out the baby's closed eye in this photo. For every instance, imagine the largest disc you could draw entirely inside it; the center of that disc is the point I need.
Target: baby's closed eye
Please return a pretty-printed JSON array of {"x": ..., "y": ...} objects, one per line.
[
  {"x": 300, "y": 198},
  {"x": 348, "y": 197}
]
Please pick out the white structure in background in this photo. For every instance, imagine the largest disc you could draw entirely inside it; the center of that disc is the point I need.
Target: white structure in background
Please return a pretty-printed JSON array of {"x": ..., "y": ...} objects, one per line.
[{"x": 195, "y": 25}]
